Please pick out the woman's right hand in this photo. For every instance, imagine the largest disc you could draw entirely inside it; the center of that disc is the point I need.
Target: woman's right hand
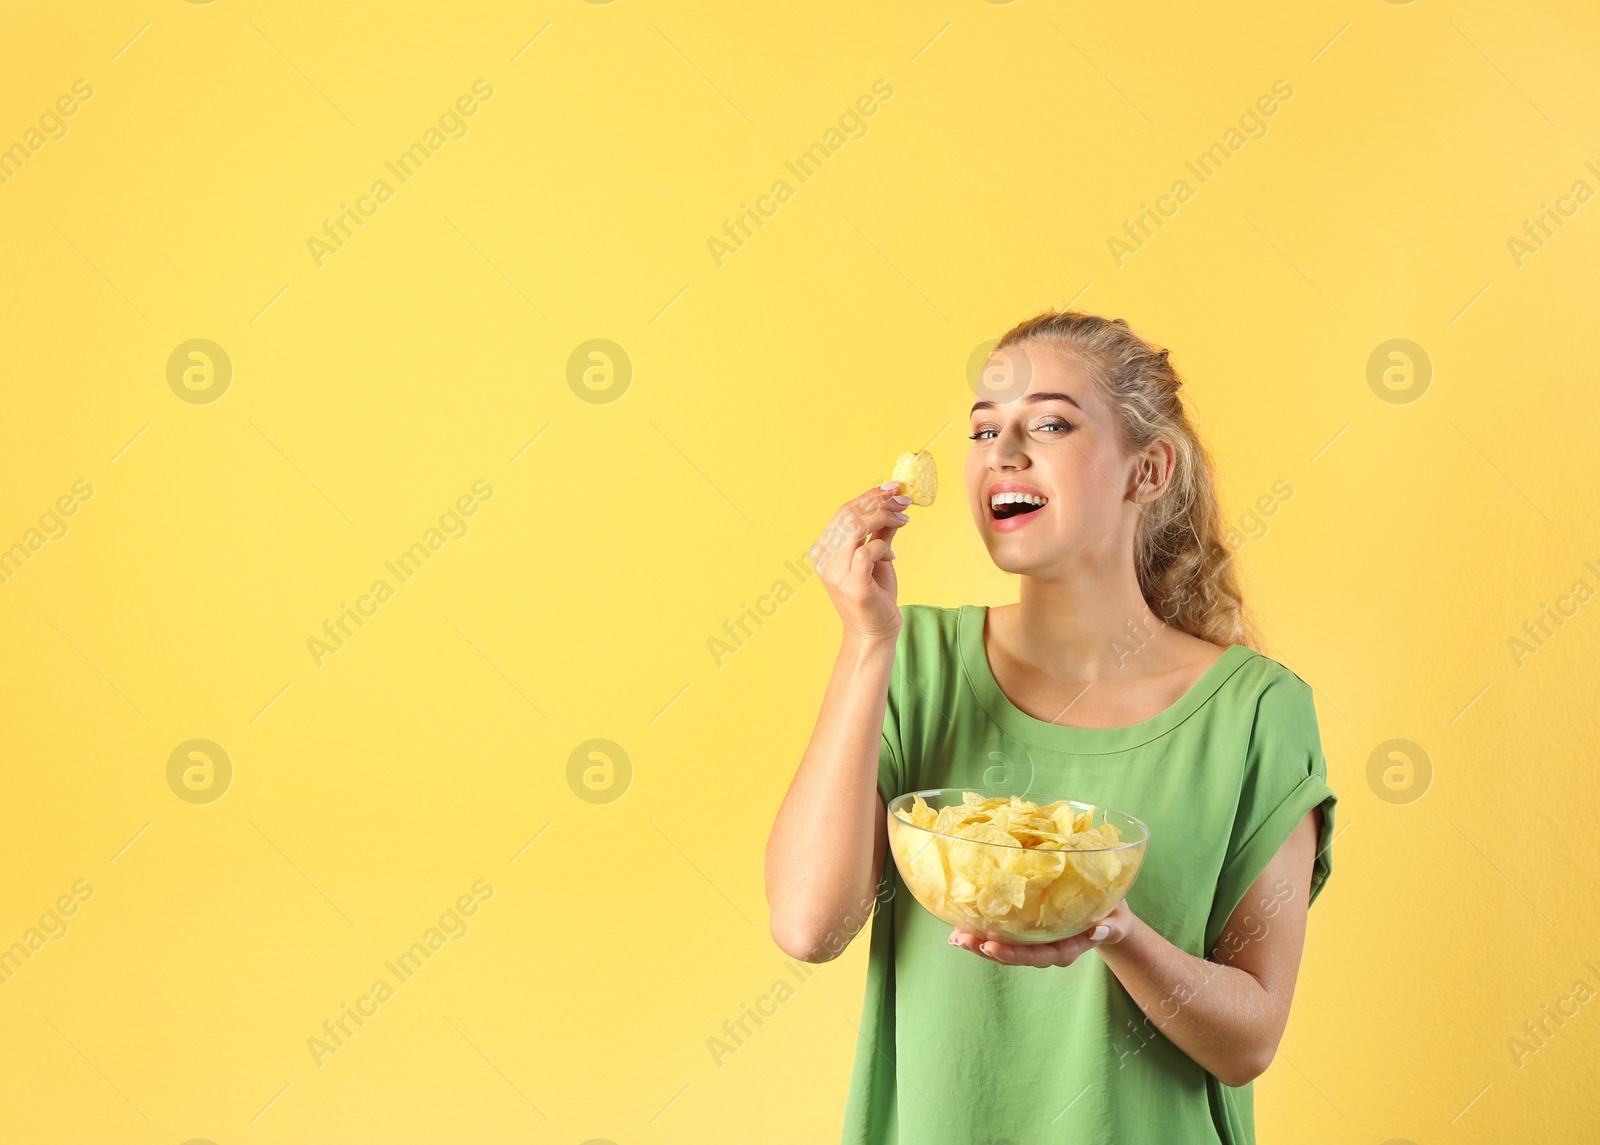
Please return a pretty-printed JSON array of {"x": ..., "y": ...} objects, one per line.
[{"x": 854, "y": 561}]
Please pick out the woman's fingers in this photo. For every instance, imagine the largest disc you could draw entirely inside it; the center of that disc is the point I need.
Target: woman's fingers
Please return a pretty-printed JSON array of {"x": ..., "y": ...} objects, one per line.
[
  {"x": 854, "y": 561},
  {"x": 874, "y": 519},
  {"x": 1063, "y": 953},
  {"x": 860, "y": 519},
  {"x": 871, "y": 553}
]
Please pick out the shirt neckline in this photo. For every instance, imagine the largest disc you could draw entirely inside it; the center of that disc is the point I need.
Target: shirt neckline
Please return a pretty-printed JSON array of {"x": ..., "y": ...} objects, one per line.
[{"x": 1071, "y": 740}]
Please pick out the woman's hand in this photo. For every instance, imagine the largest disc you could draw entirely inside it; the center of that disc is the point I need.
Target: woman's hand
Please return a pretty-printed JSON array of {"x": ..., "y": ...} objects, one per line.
[
  {"x": 853, "y": 559},
  {"x": 1113, "y": 928}
]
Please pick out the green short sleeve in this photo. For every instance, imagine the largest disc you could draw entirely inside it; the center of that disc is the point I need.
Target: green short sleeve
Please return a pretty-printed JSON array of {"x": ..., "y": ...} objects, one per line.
[{"x": 1285, "y": 776}]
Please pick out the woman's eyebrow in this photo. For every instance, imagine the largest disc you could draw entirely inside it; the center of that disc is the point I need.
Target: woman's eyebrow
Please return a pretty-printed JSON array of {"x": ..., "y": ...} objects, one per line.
[{"x": 1041, "y": 396}]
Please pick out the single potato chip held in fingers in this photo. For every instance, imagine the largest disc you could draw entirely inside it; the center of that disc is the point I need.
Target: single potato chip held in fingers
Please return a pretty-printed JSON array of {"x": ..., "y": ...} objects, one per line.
[{"x": 918, "y": 477}]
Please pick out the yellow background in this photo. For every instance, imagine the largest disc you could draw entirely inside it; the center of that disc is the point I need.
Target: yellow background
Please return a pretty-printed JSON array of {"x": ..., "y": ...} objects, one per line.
[{"x": 424, "y": 355}]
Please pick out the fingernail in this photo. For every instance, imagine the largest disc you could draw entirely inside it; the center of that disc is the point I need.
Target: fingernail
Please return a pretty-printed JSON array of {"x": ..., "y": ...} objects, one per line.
[
  {"x": 889, "y": 553},
  {"x": 902, "y": 499},
  {"x": 902, "y": 518},
  {"x": 952, "y": 941},
  {"x": 889, "y": 486},
  {"x": 1098, "y": 933}
]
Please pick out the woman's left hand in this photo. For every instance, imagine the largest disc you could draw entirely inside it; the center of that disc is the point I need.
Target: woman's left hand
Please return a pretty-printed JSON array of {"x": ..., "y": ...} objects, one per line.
[{"x": 1114, "y": 927}]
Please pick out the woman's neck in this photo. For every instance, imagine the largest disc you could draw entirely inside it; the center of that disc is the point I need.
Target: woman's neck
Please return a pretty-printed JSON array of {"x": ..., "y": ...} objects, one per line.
[{"x": 1084, "y": 625}]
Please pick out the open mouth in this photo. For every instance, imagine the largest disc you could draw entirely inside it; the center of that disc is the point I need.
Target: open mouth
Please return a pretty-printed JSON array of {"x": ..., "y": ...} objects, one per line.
[{"x": 1006, "y": 505}]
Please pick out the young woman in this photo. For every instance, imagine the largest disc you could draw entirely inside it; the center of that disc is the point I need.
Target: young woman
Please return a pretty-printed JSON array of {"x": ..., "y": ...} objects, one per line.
[{"x": 1125, "y": 675}]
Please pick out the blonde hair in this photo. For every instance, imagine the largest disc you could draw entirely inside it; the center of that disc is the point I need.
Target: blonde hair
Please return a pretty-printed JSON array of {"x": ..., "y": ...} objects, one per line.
[{"x": 1185, "y": 567}]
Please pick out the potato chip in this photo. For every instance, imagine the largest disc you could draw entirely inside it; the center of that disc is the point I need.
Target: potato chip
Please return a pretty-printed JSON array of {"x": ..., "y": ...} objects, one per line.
[
  {"x": 1002, "y": 894},
  {"x": 927, "y": 862},
  {"x": 918, "y": 477}
]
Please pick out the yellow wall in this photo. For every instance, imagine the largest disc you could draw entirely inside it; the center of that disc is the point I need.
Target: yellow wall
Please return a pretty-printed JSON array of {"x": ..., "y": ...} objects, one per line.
[{"x": 368, "y": 393}]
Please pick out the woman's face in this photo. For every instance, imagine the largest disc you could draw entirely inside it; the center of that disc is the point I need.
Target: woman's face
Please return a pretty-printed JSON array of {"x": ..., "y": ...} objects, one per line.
[{"x": 1047, "y": 478}]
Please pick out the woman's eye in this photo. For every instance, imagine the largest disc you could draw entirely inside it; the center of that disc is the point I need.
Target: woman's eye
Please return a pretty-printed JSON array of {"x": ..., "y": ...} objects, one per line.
[{"x": 1053, "y": 426}]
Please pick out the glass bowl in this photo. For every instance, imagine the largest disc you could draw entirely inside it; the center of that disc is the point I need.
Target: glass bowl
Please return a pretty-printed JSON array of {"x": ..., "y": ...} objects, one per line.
[{"x": 1009, "y": 892}]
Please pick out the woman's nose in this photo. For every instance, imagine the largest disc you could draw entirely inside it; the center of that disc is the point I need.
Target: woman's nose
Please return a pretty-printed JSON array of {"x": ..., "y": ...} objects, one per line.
[{"x": 1007, "y": 452}]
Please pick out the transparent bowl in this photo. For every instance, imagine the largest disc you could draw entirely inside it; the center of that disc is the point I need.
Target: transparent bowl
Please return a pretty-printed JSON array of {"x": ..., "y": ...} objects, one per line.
[{"x": 1012, "y": 893}]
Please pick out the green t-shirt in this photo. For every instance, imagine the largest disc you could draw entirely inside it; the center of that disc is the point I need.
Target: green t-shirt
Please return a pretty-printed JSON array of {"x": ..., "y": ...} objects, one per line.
[{"x": 956, "y": 1049}]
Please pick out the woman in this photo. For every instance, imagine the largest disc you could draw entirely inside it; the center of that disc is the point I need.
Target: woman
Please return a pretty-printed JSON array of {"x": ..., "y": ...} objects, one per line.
[{"x": 1124, "y": 676}]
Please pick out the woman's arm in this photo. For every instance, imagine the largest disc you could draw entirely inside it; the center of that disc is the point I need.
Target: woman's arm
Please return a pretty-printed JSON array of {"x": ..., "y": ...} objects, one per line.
[
  {"x": 1227, "y": 1012},
  {"x": 825, "y": 853}
]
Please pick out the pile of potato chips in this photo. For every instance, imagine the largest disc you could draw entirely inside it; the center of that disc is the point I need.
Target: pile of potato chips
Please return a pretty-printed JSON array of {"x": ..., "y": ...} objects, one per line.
[{"x": 1007, "y": 866}]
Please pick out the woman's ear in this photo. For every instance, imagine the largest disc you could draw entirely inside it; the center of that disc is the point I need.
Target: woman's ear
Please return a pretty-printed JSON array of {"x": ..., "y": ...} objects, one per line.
[{"x": 1152, "y": 471}]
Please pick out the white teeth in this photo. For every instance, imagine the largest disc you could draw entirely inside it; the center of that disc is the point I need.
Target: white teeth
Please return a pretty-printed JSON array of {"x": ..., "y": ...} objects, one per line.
[{"x": 998, "y": 499}]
